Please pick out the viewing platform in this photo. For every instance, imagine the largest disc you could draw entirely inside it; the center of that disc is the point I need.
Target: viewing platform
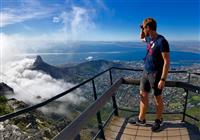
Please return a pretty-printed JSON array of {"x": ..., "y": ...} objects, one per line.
[{"x": 119, "y": 129}]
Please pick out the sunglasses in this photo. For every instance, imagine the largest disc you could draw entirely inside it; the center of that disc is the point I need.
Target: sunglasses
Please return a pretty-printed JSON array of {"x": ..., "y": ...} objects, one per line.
[{"x": 142, "y": 27}]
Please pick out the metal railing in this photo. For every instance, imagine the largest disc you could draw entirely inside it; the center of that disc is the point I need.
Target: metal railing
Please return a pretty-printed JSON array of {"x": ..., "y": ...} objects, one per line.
[{"x": 74, "y": 127}]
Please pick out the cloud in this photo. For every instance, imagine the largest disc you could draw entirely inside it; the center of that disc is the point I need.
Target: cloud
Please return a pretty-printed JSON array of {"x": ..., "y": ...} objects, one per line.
[
  {"x": 55, "y": 19},
  {"x": 16, "y": 44},
  {"x": 76, "y": 21},
  {"x": 9, "y": 48},
  {"x": 101, "y": 5},
  {"x": 33, "y": 86},
  {"x": 89, "y": 58},
  {"x": 28, "y": 9}
]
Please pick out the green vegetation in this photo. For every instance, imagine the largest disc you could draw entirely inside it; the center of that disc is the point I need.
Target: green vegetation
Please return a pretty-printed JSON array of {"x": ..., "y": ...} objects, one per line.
[
  {"x": 194, "y": 100},
  {"x": 195, "y": 112},
  {"x": 4, "y": 107},
  {"x": 20, "y": 123},
  {"x": 174, "y": 105},
  {"x": 86, "y": 134}
]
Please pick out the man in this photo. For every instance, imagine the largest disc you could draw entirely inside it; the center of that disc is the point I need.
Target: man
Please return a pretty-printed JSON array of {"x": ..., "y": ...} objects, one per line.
[{"x": 156, "y": 66}]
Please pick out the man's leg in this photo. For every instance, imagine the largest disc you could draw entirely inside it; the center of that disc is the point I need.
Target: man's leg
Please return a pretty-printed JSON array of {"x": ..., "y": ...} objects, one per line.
[
  {"x": 159, "y": 106},
  {"x": 143, "y": 104},
  {"x": 154, "y": 79},
  {"x": 144, "y": 89},
  {"x": 158, "y": 102}
]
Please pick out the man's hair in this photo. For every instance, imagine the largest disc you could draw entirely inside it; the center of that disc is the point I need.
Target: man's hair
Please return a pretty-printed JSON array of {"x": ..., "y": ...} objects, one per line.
[{"x": 151, "y": 23}]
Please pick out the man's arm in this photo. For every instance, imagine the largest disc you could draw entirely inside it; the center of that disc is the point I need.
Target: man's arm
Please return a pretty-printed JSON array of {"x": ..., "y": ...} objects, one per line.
[{"x": 166, "y": 66}]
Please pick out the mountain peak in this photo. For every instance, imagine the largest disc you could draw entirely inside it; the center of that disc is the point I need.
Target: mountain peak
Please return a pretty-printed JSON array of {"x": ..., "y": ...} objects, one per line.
[{"x": 38, "y": 59}]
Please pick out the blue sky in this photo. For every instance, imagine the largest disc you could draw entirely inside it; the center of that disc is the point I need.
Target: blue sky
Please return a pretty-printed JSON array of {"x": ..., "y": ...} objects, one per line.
[{"x": 101, "y": 20}]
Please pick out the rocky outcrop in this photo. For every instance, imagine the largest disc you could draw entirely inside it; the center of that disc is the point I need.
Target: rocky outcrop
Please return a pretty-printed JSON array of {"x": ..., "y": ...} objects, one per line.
[
  {"x": 5, "y": 89},
  {"x": 11, "y": 132},
  {"x": 55, "y": 72},
  {"x": 16, "y": 104}
]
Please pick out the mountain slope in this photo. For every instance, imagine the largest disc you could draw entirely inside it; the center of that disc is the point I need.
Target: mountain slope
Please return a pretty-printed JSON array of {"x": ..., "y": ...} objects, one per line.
[{"x": 84, "y": 70}]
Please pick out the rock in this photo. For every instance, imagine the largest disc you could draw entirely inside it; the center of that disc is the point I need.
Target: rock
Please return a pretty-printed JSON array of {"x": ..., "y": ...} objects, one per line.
[
  {"x": 11, "y": 132},
  {"x": 38, "y": 97},
  {"x": 15, "y": 104},
  {"x": 5, "y": 89},
  {"x": 38, "y": 59}
]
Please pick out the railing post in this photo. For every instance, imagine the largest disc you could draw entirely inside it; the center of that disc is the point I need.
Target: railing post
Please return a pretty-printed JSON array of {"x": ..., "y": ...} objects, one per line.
[
  {"x": 113, "y": 97},
  {"x": 185, "y": 105},
  {"x": 186, "y": 97},
  {"x": 100, "y": 125},
  {"x": 189, "y": 76}
]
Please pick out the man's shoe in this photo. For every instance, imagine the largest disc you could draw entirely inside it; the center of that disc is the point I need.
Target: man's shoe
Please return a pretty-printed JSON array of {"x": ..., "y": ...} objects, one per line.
[
  {"x": 157, "y": 124},
  {"x": 141, "y": 122},
  {"x": 137, "y": 121}
]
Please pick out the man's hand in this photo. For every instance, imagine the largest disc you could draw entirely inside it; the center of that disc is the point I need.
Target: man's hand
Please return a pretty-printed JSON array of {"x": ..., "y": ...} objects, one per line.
[
  {"x": 142, "y": 36},
  {"x": 161, "y": 84}
]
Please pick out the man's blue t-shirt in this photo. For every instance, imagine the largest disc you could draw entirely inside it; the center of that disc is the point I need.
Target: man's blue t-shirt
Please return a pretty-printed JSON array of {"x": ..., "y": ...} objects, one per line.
[{"x": 154, "y": 60}]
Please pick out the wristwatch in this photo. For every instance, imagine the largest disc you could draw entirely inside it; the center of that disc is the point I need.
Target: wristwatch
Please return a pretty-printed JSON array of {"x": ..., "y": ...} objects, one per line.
[{"x": 162, "y": 79}]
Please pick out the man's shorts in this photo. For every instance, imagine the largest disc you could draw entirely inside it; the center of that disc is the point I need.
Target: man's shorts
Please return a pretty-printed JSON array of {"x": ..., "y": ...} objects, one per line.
[{"x": 149, "y": 81}]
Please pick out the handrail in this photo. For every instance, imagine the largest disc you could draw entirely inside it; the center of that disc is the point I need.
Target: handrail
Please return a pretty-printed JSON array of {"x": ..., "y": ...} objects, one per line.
[
  {"x": 178, "y": 84},
  {"x": 171, "y": 71},
  {"x": 76, "y": 125}
]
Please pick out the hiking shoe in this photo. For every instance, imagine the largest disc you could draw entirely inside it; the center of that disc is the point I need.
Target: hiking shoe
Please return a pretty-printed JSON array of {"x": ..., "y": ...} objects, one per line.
[
  {"x": 157, "y": 124},
  {"x": 137, "y": 121},
  {"x": 141, "y": 122}
]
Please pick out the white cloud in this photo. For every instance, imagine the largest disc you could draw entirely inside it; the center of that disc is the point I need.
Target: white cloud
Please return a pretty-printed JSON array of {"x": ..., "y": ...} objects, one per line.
[
  {"x": 33, "y": 86},
  {"x": 89, "y": 58},
  {"x": 55, "y": 19},
  {"x": 28, "y": 9},
  {"x": 101, "y": 4},
  {"x": 9, "y": 47},
  {"x": 77, "y": 22},
  {"x": 16, "y": 44}
]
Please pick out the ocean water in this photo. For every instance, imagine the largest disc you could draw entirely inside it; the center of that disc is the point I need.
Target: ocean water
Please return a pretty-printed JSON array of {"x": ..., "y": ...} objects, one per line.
[{"x": 110, "y": 51}]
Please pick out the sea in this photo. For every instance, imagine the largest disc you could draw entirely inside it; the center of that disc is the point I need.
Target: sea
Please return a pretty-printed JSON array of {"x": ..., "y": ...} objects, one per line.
[{"x": 114, "y": 51}]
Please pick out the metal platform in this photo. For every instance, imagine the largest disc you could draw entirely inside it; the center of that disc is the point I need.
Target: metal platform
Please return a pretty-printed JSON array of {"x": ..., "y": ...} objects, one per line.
[{"x": 120, "y": 129}]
